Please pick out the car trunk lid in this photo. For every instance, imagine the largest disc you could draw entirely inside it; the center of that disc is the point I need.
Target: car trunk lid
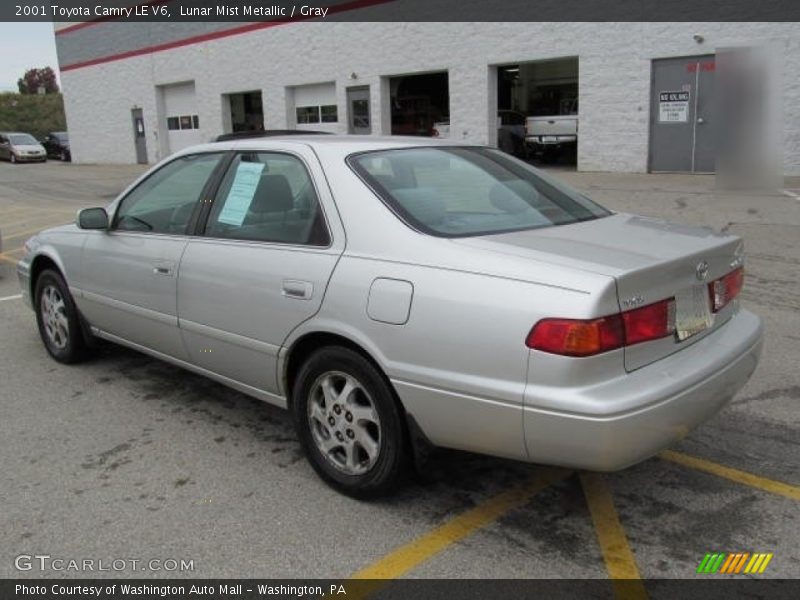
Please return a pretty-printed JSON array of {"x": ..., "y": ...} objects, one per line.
[{"x": 650, "y": 260}]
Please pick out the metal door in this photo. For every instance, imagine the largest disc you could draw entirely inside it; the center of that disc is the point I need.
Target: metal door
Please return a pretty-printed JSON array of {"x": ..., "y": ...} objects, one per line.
[
  {"x": 358, "y": 115},
  {"x": 139, "y": 138},
  {"x": 681, "y": 115}
]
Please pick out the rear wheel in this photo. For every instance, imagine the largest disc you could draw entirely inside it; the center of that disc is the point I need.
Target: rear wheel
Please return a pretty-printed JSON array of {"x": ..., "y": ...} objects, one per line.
[
  {"x": 349, "y": 423},
  {"x": 63, "y": 156},
  {"x": 58, "y": 319}
]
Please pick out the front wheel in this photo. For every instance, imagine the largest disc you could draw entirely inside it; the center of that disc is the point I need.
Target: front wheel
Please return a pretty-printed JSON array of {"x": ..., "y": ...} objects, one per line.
[
  {"x": 13, "y": 158},
  {"x": 58, "y": 319},
  {"x": 349, "y": 423}
]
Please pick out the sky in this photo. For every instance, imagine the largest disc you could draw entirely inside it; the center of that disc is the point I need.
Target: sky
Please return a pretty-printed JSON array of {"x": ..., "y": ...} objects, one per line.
[{"x": 23, "y": 46}]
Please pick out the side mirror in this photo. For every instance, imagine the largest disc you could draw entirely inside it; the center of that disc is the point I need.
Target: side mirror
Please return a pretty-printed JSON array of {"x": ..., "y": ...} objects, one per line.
[{"x": 93, "y": 218}]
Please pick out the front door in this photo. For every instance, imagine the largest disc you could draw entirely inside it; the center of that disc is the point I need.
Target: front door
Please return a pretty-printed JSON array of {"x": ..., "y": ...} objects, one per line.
[
  {"x": 358, "y": 114},
  {"x": 139, "y": 136},
  {"x": 128, "y": 276},
  {"x": 260, "y": 269},
  {"x": 682, "y": 116}
]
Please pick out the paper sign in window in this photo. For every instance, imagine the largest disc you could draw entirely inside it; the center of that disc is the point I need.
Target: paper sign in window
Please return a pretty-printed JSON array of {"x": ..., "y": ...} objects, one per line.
[{"x": 240, "y": 196}]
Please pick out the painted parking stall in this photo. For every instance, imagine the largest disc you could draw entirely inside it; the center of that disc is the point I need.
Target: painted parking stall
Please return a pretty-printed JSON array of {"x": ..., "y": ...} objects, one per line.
[{"x": 155, "y": 457}]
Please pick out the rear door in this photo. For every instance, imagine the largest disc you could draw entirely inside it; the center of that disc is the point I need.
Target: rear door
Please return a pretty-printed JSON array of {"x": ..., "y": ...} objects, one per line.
[
  {"x": 261, "y": 266},
  {"x": 128, "y": 275}
]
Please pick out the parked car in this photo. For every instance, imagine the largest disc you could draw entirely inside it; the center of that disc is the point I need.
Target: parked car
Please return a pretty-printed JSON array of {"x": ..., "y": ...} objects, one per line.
[
  {"x": 56, "y": 144},
  {"x": 441, "y": 129},
  {"x": 401, "y": 293},
  {"x": 552, "y": 135},
  {"x": 241, "y": 135},
  {"x": 21, "y": 147}
]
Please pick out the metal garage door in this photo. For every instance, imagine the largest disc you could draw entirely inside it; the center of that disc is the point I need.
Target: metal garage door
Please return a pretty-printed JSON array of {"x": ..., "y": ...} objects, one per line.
[
  {"x": 681, "y": 114},
  {"x": 180, "y": 116}
]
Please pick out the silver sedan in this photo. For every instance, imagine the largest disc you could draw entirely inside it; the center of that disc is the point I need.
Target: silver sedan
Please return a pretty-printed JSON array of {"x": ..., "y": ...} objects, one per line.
[{"x": 399, "y": 294}]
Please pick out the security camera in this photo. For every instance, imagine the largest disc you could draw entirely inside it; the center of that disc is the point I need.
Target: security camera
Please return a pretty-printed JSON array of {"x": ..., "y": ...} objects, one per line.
[{"x": 698, "y": 38}]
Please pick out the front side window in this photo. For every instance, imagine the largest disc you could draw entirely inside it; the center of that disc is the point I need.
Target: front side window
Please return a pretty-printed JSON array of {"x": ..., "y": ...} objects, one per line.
[
  {"x": 268, "y": 197},
  {"x": 463, "y": 191},
  {"x": 164, "y": 202}
]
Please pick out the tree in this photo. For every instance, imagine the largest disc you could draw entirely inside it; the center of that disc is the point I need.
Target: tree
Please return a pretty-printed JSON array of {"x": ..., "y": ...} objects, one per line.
[{"x": 34, "y": 79}]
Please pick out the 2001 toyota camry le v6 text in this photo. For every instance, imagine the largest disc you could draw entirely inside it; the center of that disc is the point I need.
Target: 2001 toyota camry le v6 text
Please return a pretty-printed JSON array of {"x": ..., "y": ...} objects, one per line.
[{"x": 393, "y": 292}]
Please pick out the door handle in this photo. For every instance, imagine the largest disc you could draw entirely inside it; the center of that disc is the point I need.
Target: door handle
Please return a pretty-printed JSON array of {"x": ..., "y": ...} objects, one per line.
[
  {"x": 164, "y": 268},
  {"x": 294, "y": 288}
]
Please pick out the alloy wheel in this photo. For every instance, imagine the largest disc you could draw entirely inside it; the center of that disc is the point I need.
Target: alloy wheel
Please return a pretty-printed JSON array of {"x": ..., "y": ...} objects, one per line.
[
  {"x": 344, "y": 423},
  {"x": 54, "y": 317}
]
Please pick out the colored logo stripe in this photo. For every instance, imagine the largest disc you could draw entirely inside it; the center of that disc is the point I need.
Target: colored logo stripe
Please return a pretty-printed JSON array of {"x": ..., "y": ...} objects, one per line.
[{"x": 733, "y": 563}]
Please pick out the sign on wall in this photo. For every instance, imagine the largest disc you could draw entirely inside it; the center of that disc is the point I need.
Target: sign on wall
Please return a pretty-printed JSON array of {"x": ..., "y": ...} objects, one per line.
[{"x": 673, "y": 107}]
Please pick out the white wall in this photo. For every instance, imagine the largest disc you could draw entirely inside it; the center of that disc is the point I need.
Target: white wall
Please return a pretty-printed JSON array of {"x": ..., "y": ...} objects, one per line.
[{"x": 614, "y": 84}]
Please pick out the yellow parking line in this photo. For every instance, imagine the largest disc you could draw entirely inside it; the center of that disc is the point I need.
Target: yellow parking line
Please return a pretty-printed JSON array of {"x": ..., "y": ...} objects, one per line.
[
  {"x": 409, "y": 556},
  {"x": 762, "y": 483},
  {"x": 4, "y": 257},
  {"x": 26, "y": 232},
  {"x": 617, "y": 554},
  {"x": 13, "y": 211},
  {"x": 26, "y": 220}
]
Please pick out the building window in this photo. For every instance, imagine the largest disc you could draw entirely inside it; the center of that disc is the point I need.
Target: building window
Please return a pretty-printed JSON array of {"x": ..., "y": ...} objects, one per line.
[
  {"x": 183, "y": 122},
  {"x": 329, "y": 113},
  {"x": 308, "y": 114}
]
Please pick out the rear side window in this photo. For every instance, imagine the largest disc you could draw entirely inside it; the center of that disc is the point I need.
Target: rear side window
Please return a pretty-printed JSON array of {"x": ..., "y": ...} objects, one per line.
[
  {"x": 164, "y": 202},
  {"x": 462, "y": 191},
  {"x": 268, "y": 197}
]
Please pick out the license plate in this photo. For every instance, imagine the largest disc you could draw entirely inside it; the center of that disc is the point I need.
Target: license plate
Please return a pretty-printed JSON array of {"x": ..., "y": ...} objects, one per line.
[
  {"x": 549, "y": 138},
  {"x": 692, "y": 312}
]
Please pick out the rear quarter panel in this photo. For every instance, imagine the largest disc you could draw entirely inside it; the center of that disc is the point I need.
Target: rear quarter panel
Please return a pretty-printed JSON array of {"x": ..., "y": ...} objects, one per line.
[{"x": 459, "y": 363}]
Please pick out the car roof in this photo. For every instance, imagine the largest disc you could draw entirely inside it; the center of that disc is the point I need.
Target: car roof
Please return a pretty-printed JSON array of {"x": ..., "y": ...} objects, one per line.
[{"x": 343, "y": 144}]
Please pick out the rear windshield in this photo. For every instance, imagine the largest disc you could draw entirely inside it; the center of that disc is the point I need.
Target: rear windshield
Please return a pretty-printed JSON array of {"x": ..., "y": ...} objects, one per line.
[
  {"x": 464, "y": 191},
  {"x": 22, "y": 139}
]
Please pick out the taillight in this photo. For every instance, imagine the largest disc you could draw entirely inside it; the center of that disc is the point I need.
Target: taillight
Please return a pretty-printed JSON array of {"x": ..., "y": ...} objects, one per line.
[
  {"x": 649, "y": 322},
  {"x": 576, "y": 337},
  {"x": 579, "y": 337},
  {"x": 725, "y": 289}
]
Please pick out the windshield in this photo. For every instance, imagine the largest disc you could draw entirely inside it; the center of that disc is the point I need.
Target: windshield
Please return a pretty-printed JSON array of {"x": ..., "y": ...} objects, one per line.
[
  {"x": 457, "y": 192},
  {"x": 61, "y": 136},
  {"x": 22, "y": 139}
]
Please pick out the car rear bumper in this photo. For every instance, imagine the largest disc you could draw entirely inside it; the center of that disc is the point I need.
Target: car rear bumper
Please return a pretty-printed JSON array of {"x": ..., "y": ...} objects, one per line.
[
  {"x": 550, "y": 140},
  {"x": 664, "y": 401}
]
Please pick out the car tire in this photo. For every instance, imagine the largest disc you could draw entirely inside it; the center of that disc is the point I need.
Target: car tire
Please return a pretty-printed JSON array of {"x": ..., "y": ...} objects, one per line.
[
  {"x": 63, "y": 156},
  {"x": 349, "y": 423},
  {"x": 58, "y": 318},
  {"x": 12, "y": 159}
]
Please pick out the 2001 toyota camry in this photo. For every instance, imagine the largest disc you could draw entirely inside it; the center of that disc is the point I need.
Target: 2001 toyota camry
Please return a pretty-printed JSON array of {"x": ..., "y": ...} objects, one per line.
[{"x": 393, "y": 293}]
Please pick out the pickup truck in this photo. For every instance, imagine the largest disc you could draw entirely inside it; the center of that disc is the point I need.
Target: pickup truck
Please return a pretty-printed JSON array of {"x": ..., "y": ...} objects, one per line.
[{"x": 550, "y": 136}]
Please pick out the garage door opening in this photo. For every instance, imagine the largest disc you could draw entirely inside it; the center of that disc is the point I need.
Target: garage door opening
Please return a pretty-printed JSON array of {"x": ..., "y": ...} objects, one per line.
[
  {"x": 420, "y": 104},
  {"x": 242, "y": 111},
  {"x": 537, "y": 106}
]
